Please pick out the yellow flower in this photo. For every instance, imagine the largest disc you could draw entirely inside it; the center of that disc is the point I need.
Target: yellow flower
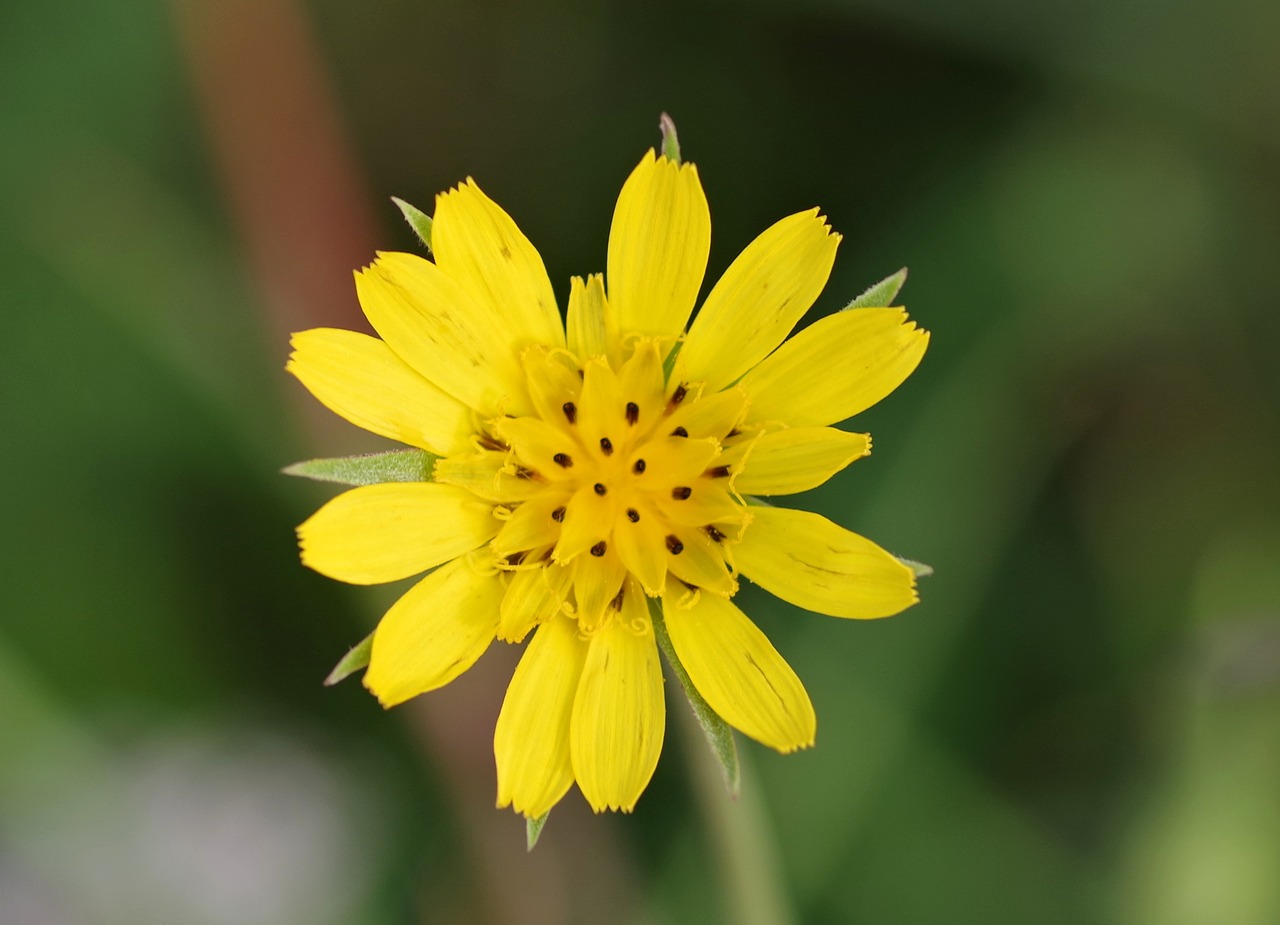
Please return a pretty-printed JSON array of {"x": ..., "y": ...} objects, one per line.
[{"x": 577, "y": 477}]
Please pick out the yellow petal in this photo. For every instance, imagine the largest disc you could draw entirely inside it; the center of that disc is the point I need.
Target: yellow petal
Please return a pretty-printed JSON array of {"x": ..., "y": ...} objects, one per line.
[
  {"x": 390, "y": 531},
  {"x": 552, "y": 378},
  {"x": 820, "y": 566},
  {"x": 588, "y": 520},
  {"x": 739, "y": 673},
  {"x": 798, "y": 458},
  {"x": 760, "y": 298},
  {"x": 640, "y": 543},
  {"x": 715, "y": 415},
  {"x": 544, "y": 448},
  {"x": 534, "y": 595},
  {"x": 360, "y": 378},
  {"x": 531, "y": 525},
  {"x": 618, "y": 714},
  {"x": 435, "y": 632},
  {"x": 488, "y": 474},
  {"x": 699, "y": 562},
  {"x": 531, "y": 741},
  {"x": 596, "y": 583},
  {"x": 658, "y": 247},
  {"x": 836, "y": 367},
  {"x": 476, "y": 242},
  {"x": 592, "y": 325},
  {"x": 443, "y": 332}
]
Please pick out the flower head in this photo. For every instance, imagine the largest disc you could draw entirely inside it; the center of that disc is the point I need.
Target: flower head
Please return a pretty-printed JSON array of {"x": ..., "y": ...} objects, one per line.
[{"x": 583, "y": 468}]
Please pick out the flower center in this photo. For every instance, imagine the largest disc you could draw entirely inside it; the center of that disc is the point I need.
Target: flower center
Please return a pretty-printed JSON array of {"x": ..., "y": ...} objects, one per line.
[{"x": 621, "y": 473}]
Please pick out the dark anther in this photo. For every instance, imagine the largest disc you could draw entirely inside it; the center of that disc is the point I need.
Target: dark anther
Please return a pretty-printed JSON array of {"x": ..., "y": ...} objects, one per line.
[
  {"x": 616, "y": 603},
  {"x": 732, "y": 433},
  {"x": 718, "y": 472},
  {"x": 563, "y": 460},
  {"x": 558, "y": 514},
  {"x": 674, "y": 546},
  {"x": 524, "y": 472},
  {"x": 515, "y": 558},
  {"x": 679, "y": 432},
  {"x": 633, "y": 515},
  {"x": 599, "y": 488},
  {"x": 638, "y": 467},
  {"x": 606, "y": 446},
  {"x": 712, "y": 532},
  {"x": 570, "y": 411},
  {"x": 598, "y": 549},
  {"x": 676, "y": 397},
  {"x": 492, "y": 443},
  {"x": 633, "y": 412},
  {"x": 681, "y": 493}
]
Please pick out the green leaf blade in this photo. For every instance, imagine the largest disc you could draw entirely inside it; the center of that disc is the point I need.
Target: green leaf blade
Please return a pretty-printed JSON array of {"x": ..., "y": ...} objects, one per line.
[
  {"x": 670, "y": 140},
  {"x": 882, "y": 294},
  {"x": 369, "y": 468},
  {"x": 533, "y": 829},
  {"x": 418, "y": 220},
  {"x": 352, "y": 662},
  {"x": 919, "y": 569},
  {"x": 719, "y": 734}
]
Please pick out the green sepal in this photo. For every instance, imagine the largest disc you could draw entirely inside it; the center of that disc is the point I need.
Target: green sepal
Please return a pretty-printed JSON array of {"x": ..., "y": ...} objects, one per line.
[
  {"x": 418, "y": 220},
  {"x": 352, "y": 662},
  {"x": 669, "y": 364},
  {"x": 533, "y": 829},
  {"x": 719, "y": 735},
  {"x": 670, "y": 140},
  {"x": 368, "y": 468},
  {"x": 882, "y": 294},
  {"x": 919, "y": 569}
]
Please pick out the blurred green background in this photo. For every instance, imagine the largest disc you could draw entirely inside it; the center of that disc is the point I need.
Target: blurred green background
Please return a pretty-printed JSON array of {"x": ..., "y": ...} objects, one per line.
[{"x": 1079, "y": 724}]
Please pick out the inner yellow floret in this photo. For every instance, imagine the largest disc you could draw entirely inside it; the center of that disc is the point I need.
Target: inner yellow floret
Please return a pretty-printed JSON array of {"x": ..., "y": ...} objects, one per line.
[{"x": 616, "y": 473}]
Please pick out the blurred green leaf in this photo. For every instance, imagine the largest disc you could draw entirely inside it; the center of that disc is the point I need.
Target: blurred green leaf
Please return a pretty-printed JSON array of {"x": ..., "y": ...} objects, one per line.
[
  {"x": 418, "y": 220},
  {"x": 719, "y": 735},
  {"x": 919, "y": 568},
  {"x": 352, "y": 662},
  {"x": 670, "y": 140},
  {"x": 533, "y": 829},
  {"x": 882, "y": 294},
  {"x": 368, "y": 469}
]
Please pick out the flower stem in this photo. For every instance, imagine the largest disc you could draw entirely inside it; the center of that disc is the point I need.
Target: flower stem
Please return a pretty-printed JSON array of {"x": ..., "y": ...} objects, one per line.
[{"x": 741, "y": 836}]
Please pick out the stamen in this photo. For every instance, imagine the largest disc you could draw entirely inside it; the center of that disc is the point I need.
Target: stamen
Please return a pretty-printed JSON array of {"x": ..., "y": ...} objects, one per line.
[
  {"x": 674, "y": 546},
  {"x": 493, "y": 443},
  {"x": 633, "y": 515},
  {"x": 558, "y": 514},
  {"x": 600, "y": 488},
  {"x": 606, "y": 446},
  {"x": 679, "y": 432},
  {"x": 638, "y": 468},
  {"x": 732, "y": 433},
  {"x": 676, "y": 397},
  {"x": 516, "y": 558},
  {"x": 570, "y": 411},
  {"x": 681, "y": 493},
  {"x": 524, "y": 472},
  {"x": 633, "y": 412},
  {"x": 718, "y": 472},
  {"x": 562, "y": 460},
  {"x": 616, "y": 603},
  {"x": 598, "y": 549},
  {"x": 711, "y": 531}
]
